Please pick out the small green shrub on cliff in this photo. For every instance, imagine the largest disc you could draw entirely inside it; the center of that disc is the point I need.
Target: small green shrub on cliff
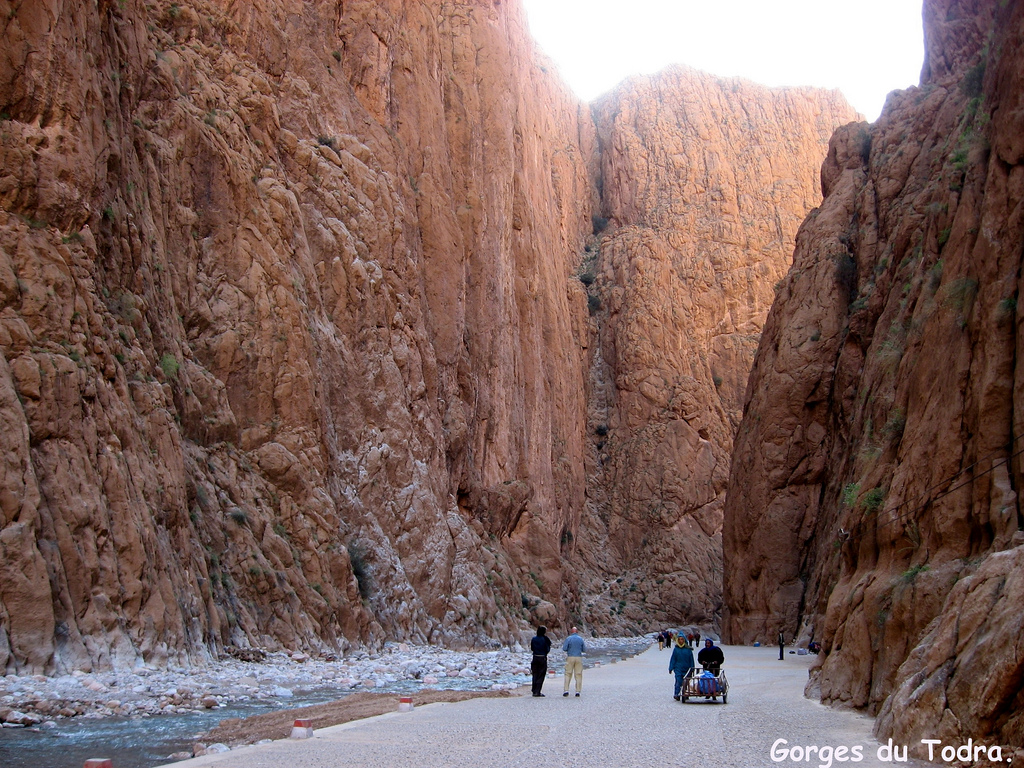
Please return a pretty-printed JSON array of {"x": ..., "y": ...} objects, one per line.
[
  {"x": 893, "y": 429},
  {"x": 973, "y": 79},
  {"x": 961, "y": 293},
  {"x": 239, "y": 516},
  {"x": 873, "y": 500},
  {"x": 911, "y": 573},
  {"x": 169, "y": 365},
  {"x": 935, "y": 276},
  {"x": 850, "y": 493}
]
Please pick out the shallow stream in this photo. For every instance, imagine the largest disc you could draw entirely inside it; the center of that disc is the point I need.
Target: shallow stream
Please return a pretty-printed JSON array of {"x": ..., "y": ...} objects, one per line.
[{"x": 144, "y": 742}]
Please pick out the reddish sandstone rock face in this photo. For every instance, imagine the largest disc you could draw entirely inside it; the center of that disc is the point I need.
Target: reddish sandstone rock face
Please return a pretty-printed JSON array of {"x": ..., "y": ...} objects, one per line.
[
  {"x": 294, "y": 349},
  {"x": 873, "y": 495},
  {"x": 705, "y": 181},
  {"x": 290, "y": 337}
]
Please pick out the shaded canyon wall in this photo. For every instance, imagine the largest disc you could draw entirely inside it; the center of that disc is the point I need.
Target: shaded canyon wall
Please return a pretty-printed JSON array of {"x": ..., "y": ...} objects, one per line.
[{"x": 874, "y": 494}]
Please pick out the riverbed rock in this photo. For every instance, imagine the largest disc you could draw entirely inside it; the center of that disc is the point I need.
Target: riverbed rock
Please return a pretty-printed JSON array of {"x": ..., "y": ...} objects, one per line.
[{"x": 15, "y": 717}]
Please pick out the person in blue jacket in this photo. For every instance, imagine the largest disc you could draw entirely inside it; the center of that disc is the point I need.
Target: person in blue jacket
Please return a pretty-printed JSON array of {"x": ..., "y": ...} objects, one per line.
[
  {"x": 681, "y": 663},
  {"x": 574, "y": 648}
]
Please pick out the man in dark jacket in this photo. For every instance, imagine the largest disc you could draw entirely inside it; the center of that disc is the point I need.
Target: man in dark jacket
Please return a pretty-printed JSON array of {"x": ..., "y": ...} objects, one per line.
[
  {"x": 540, "y": 645},
  {"x": 681, "y": 663},
  {"x": 711, "y": 657}
]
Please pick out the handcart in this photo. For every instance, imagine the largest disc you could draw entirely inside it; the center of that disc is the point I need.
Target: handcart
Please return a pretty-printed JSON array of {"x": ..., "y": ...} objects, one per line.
[{"x": 708, "y": 684}]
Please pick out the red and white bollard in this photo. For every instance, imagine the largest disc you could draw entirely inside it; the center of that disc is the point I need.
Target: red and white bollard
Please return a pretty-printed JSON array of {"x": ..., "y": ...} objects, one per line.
[
  {"x": 99, "y": 762},
  {"x": 303, "y": 729},
  {"x": 405, "y": 704}
]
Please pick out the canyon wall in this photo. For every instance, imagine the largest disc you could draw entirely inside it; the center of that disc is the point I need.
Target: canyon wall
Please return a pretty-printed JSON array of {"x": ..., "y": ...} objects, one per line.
[
  {"x": 298, "y": 351},
  {"x": 873, "y": 501},
  {"x": 704, "y": 183},
  {"x": 290, "y": 335}
]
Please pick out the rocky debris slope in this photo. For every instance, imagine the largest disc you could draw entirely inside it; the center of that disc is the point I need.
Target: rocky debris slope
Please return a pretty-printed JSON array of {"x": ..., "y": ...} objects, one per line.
[
  {"x": 704, "y": 183},
  {"x": 873, "y": 497}
]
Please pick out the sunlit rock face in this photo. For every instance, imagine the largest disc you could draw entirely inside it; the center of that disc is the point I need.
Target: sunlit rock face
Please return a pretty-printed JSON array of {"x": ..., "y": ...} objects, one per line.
[
  {"x": 873, "y": 496},
  {"x": 704, "y": 183},
  {"x": 296, "y": 353},
  {"x": 292, "y": 347}
]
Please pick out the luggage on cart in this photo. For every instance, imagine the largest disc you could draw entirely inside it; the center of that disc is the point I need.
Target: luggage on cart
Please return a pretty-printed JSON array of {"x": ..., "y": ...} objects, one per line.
[{"x": 705, "y": 684}]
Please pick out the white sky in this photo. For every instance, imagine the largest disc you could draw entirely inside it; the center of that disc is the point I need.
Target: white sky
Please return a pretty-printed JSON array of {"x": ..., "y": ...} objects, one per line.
[{"x": 865, "y": 48}]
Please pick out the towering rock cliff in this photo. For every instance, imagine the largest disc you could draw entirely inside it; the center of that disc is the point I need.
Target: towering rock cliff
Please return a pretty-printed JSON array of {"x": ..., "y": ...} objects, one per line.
[
  {"x": 704, "y": 183},
  {"x": 296, "y": 352},
  {"x": 290, "y": 336},
  {"x": 874, "y": 494}
]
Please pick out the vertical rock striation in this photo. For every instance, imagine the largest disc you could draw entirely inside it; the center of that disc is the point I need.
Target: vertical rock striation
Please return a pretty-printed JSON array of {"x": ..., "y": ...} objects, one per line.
[
  {"x": 704, "y": 183},
  {"x": 873, "y": 498},
  {"x": 295, "y": 352},
  {"x": 289, "y": 334}
]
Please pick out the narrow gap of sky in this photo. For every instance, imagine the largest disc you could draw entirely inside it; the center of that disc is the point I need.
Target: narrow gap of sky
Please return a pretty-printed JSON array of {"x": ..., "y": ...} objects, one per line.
[{"x": 865, "y": 50}]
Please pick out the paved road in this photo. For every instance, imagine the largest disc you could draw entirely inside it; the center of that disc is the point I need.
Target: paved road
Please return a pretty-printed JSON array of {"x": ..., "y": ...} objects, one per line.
[{"x": 626, "y": 717}]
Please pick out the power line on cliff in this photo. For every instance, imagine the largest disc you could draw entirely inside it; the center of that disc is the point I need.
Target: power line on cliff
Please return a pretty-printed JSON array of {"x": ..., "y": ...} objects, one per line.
[{"x": 860, "y": 527}]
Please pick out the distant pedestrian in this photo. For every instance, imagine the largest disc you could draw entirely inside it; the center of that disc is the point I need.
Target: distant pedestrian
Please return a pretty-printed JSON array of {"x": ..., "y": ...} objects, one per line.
[
  {"x": 696, "y": 639},
  {"x": 689, "y": 639},
  {"x": 782, "y": 646},
  {"x": 540, "y": 645},
  {"x": 681, "y": 663},
  {"x": 574, "y": 648}
]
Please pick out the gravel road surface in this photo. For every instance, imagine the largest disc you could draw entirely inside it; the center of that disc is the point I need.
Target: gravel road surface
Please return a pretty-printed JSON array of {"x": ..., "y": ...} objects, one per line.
[{"x": 626, "y": 717}]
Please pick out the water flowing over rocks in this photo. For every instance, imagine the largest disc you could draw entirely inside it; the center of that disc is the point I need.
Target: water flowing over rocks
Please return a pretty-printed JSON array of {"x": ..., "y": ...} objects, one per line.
[
  {"x": 873, "y": 501},
  {"x": 143, "y": 692}
]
